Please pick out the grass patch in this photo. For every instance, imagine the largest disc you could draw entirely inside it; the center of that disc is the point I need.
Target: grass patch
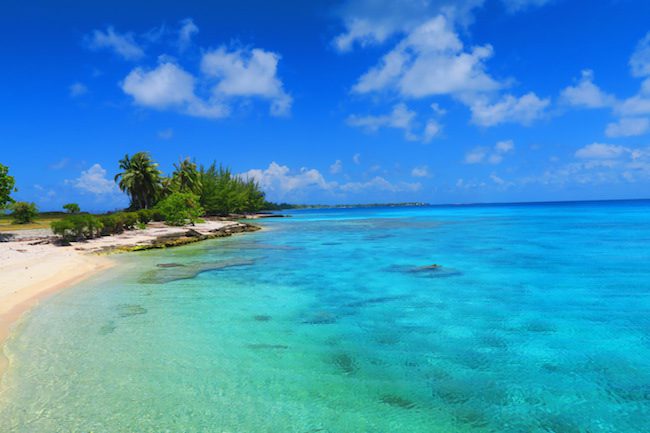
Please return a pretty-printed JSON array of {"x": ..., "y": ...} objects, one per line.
[{"x": 42, "y": 222}]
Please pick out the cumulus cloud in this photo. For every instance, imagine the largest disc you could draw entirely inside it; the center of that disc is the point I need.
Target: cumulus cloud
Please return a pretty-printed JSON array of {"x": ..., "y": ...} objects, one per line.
[
  {"x": 399, "y": 118},
  {"x": 122, "y": 44},
  {"x": 281, "y": 182},
  {"x": 486, "y": 155},
  {"x": 430, "y": 60},
  {"x": 250, "y": 73},
  {"x": 94, "y": 181},
  {"x": 601, "y": 151},
  {"x": 77, "y": 89},
  {"x": 628, "y": 127},
  {"x": 187, "y": 30},
  {"x": 168, "y": 86},
  {"x": 337, "y": 167},
  {"x": 372, "y": 22},
  {"x": 356, "y": 158},
  {"x": 640, "y": 60},
  {"x": 599, "y": 163},
  {"x": 586, "y": 94},
  {"x": 421, "y": 171},
  {"x": 508, "y": 109}
]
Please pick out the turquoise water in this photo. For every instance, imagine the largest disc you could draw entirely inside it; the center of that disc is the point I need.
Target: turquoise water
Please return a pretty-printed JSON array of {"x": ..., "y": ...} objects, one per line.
[{"x": 537, "y": 320}]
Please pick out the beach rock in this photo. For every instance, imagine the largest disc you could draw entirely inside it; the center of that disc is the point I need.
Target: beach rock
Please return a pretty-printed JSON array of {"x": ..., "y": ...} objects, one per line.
[
  {"x": 397, "y": 401},
  {"x": 169, "y": 265},
  {"x": 128, "y": 310},
  {"x": 321, "y": 318},
  {"x": 345, "y": 363},
  {"x": 262, "y": 318}
]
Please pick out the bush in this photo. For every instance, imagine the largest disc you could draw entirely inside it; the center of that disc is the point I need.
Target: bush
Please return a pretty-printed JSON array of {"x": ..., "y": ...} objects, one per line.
[
  {"x": 111, "y": 224},
  {"x": 23, "y": 212},
  {"x": 130, "y": 219},
  {"x": 77, "y": 227},
  {"x": 179, "y": 208},
  {"x": 72, "y": 208},
  {"x": 145, "y": 215}
]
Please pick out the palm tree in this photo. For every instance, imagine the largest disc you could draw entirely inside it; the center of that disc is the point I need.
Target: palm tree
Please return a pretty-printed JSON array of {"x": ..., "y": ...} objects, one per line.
[
  {"x": 186, "y": 177},
  {"x": 140, "y": 179}
]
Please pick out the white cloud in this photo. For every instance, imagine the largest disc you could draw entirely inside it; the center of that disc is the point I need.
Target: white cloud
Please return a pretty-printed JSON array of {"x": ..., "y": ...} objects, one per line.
[
  {"x": 431, "y": 130},
  {"x": 601, "y": 151},
  {"x": 628, "y": 127},
  {"x": 380, "y": 184},
  {"x": 518, "y": 5},
  {"x": 524, "y": 110},
  {"x": 61, "y": 164},
  {"x": 371, "y": 22},
  {"x": 94, "y": 181},
  {"x": 356, "y": 158},
  {"x": 278, "y": 178},
  {"x": 430, "y": 60},
  {"x": 77, "y": 89},
  {"x": 185, "y": 33},
  {"x": 123, "y": 44},
  {"x": 337, "y": 167},
  {"x": 399, "y": 118},
  {"x": 166, "y": 134},
  {"x": 168, "y": 86},
  {"x": 485, "y": 155},
  {"x": 599, "y": 163},
  {"x": 280, "y": 181},
  {"x": 640, "y": 60},
  {"x": 247, "y": 73},
  {"x": 421, "y": 171},
  {"x": 586, "y": 94}
]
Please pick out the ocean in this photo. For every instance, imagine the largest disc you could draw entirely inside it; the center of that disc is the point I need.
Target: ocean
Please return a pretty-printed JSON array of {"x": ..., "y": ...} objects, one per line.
[{"x": 490, "y": 318}]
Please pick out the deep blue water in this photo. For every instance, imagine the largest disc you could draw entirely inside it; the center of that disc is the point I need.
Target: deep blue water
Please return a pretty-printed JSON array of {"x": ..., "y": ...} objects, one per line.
[{"x": 535, "y": 319}]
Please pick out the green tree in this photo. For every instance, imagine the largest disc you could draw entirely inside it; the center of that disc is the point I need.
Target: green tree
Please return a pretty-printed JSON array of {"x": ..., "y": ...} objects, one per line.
[
  {"x": 186, "y": 177},
  {"x": 6, "y": 186},
  {"x": 23, "y": 212},
  {"x": 72, "y": 208},
  {"x": 180, "y": 208},
  {"x": 223, "y": 193},
  {"x": 140, "y": 178}
]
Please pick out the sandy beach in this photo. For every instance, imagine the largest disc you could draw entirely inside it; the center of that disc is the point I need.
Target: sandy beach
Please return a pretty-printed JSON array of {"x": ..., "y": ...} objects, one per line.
[{"x": 32, "y": 268}]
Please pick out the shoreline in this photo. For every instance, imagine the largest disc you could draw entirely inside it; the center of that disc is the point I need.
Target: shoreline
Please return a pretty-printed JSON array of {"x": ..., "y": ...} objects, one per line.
[{"x": 32, "y": 269}]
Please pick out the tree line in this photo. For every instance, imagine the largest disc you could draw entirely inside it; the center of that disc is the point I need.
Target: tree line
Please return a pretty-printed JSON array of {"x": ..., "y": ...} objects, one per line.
[{"x": 189, "y": 192}]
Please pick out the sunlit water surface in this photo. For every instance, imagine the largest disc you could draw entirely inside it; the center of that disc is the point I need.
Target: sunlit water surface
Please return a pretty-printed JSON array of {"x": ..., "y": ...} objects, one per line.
[{"x": 537, "y": 320}]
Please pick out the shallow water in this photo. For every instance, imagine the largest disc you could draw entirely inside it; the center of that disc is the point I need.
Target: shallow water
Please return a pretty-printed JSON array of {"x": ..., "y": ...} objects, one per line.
[{"x": 536, "y": 320}]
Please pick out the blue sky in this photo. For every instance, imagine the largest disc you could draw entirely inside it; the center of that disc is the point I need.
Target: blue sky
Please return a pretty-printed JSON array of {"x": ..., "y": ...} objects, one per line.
[{"x": 332, "y": 102}]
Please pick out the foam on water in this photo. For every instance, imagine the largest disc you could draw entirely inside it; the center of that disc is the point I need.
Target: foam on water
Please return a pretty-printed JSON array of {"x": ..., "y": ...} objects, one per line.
[{"x": 536, "y": 320}]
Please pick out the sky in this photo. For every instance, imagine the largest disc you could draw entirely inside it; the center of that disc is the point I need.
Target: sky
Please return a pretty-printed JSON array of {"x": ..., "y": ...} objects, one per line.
[{"x": 349, "y": 101}]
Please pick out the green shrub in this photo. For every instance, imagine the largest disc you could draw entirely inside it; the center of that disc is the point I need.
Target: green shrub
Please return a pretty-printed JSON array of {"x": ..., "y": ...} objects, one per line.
[
  {"x": 145, "y": 215},
  {"x": 72, "y": 208},
  {"x": 77, "y": 227},
  {"x": 130, "y": 220},
  {"x": 23, "y": 212},
  {"x": 180, "y": 208}
]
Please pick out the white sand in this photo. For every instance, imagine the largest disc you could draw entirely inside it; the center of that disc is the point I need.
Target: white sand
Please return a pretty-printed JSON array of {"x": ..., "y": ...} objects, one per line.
[{"x": 29, "y": 271}]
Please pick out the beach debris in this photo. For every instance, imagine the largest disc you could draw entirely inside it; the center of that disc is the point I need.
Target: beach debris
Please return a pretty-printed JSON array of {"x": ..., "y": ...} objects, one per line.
[
  {"x": 128, "y": 310},
  {"x": 262, "y": 318},
  {"x": 397, "y": 401}
]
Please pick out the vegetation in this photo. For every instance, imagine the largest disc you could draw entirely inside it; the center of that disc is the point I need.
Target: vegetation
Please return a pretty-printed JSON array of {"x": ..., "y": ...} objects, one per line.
[
  {"x": 141, "y": 179},
  {"x": 180, "y": 208},
  {"x": 223, "y": 193},
  {"x": 186, "y": 178},
  {"x": 23, "y": 212},
  {"x": 78, "y": 227},
  {"x": 7, "y": 184},
  {"x": 72, "y": 208}
]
